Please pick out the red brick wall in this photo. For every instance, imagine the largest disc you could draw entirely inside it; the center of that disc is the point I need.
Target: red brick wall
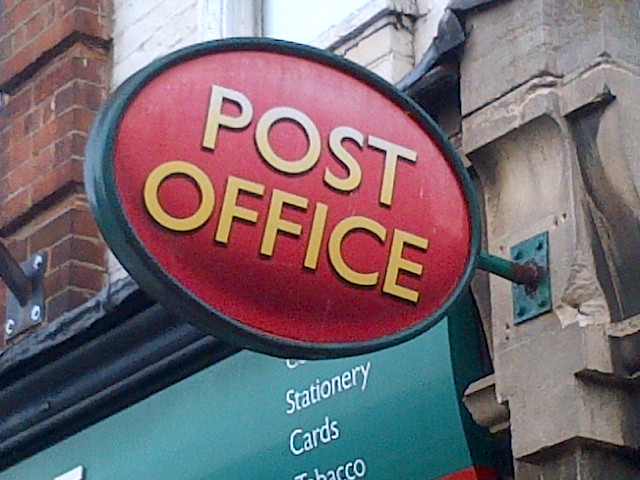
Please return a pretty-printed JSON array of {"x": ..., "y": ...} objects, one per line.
[{"x": 54, "y": 71}]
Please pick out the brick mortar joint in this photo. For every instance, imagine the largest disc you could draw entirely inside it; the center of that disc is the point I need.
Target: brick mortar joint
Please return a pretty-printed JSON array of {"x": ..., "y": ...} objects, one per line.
[
  {"x": 60, "y": 294},
  {"x": 39, "y": 11},
  {"x": 74, "y": 262},
  {"x": 78, "y": 84},
  {"x": 12, "y": 84},
  {"x": 76, "y": 236},
  {"x": 11, "y": 226}
]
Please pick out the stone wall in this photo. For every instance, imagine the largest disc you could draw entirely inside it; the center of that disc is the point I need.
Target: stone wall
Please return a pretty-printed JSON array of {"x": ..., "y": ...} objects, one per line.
[{"x": 549, "y": 97}]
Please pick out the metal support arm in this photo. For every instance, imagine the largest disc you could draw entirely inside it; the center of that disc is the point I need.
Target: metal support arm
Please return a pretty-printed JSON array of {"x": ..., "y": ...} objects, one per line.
[
  {"x": 14, "y": 277},
  {"x": 529, "y": 274}
]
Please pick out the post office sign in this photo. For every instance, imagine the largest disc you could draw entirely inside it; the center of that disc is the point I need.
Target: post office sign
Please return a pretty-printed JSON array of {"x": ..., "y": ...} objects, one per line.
[{"x": 282, "y": 198}]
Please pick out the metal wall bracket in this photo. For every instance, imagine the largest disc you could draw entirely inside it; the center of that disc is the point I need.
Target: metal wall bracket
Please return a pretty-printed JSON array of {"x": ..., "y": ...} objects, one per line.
[
  {"x": 532, "y": 301},
  {"x": 529, "y": 272},
  {"x": 28, "y": 310}
]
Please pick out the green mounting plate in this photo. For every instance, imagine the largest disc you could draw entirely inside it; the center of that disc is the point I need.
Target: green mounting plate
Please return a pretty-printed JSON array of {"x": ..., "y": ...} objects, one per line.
[{"x": 530, "y": 302}]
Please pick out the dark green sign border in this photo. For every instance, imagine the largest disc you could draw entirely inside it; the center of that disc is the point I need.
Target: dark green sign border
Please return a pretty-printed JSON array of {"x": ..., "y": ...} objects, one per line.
[{"x": 116, "y": 229}]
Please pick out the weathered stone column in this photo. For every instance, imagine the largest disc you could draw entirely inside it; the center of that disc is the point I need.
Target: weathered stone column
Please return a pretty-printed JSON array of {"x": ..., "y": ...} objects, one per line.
[{"x": 550, "y": 91}]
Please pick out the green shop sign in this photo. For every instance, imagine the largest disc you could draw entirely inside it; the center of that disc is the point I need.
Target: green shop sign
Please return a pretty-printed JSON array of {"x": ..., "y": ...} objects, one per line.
[{"x": 394, "y": 414}]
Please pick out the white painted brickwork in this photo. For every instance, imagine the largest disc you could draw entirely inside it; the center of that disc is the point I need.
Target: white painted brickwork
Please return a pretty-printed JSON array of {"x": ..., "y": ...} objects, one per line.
[
  {"x": 378, "y": 36},
  {"x": 144, "y": 31},
  {"x": 386, "y": 36}
]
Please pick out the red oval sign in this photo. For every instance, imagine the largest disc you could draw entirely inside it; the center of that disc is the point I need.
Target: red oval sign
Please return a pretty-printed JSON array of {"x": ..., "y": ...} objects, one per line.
[{"x": 282, "y": 198}]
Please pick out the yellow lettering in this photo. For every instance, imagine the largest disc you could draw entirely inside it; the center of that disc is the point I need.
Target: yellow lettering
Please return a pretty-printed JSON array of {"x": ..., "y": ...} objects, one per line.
[
  {"x": 231, "y": 209},
  {"x": 397, "y": 264},
  {"x": 354, "y": 176},
  {"x": 315, "y": 237},
  {"x": 312, "y": 135},
  {"x": 341, "y": 230},
  {"x": 215, "y": 117},
  {"x": 276, "y": 223},
  {"x": 152, "y": 187},
  {"x": 393, "y": 152}
]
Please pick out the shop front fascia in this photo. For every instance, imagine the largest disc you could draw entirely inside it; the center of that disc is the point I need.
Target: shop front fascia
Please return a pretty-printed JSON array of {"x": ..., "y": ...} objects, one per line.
[
  {"x": 136, "y": 392},
  {"x": 92, "y": 362}
]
